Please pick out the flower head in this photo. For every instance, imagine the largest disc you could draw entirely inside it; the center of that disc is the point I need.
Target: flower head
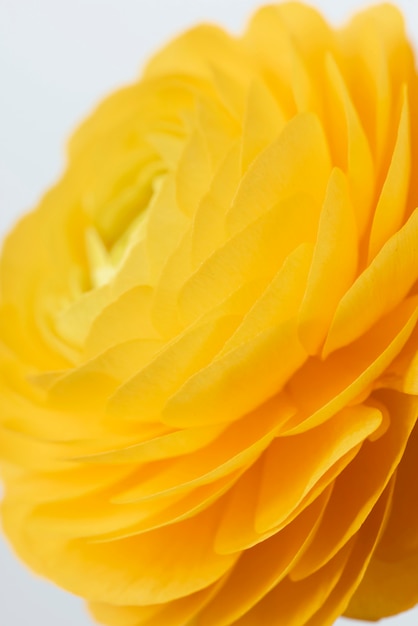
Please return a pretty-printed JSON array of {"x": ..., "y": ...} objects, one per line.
[{"x": 208, "y": 335}]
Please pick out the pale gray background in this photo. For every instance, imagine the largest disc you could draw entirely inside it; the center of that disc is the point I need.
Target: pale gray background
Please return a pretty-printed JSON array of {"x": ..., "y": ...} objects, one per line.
[{"x": 57, "y": 59}]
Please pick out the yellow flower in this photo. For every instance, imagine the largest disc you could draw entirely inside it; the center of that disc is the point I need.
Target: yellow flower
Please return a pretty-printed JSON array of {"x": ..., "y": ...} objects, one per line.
[{"x": 208, "y": 355}]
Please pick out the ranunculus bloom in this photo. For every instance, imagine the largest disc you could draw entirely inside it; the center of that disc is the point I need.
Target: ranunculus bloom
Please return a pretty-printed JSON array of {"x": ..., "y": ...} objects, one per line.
[{"x": 209, "y": 337}]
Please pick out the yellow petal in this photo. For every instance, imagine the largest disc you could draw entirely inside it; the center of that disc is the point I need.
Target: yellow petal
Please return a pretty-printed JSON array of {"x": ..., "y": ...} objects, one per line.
[
  {"x": 390, "y": 209},
  {"x": 298, "y": 462},
  {"x": 322, "y": 388},
  {"x": 271, "y": 560},
  {"x": 262, "y": 122},
  {"x": 147, "y": 569},
  {"x": 284, "y": 599},
  {"x": 362, "y": 551},
  {"x": 175, "y": 613},
  {"x": 377, "y": 291},
  {"x": 300, "y": 153},
  {"x": 350, "y": 145},
  {"x": 334, "y": 263},
  {"x": 134, "y": 307},
  {"x": 237, "y": 382},
  {"x": 388, "y": 586},
  {"x": 358, "y": 488}
]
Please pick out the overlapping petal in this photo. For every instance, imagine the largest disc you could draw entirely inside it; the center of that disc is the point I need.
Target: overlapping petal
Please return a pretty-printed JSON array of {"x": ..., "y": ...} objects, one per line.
[{"x": 208, "y": 335}]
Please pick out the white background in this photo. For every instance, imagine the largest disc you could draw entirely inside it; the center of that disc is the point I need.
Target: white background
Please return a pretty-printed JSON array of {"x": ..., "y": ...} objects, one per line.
[{"x": 57, "y": 59}]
